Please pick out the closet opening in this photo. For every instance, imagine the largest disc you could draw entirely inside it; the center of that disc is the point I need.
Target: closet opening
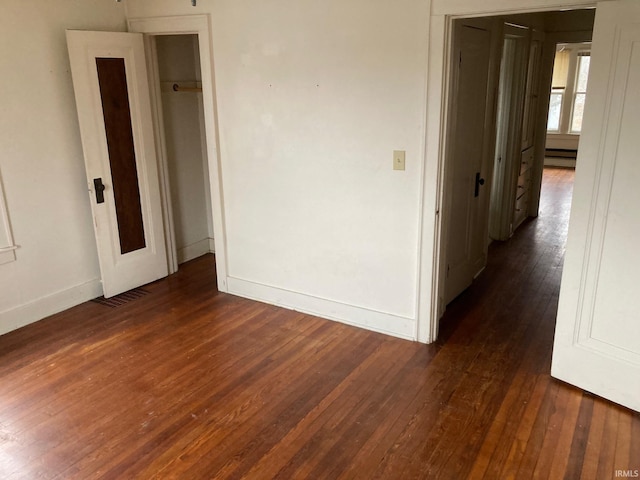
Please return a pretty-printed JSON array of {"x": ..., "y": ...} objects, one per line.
[{"x": 184, "y": 169}]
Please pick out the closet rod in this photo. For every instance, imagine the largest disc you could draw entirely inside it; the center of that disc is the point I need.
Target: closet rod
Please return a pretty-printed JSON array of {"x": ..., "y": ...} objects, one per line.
[{"x": 178, "y": 88}]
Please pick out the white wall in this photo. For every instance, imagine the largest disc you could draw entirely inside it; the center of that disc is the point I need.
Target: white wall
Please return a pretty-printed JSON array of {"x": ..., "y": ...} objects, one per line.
[
  {"x": 562, "y": 141},
  {"x": 41, "y": 159},
  {"x": 188, "y": 176},
  {"x": 312, "y": 100},
  {"x": 313, "y": 97}
]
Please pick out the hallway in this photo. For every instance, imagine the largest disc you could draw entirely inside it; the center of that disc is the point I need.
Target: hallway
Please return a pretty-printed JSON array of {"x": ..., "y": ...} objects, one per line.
[
  {"x": 539, "y": 427},
  {"x": 186, "y": 382}
]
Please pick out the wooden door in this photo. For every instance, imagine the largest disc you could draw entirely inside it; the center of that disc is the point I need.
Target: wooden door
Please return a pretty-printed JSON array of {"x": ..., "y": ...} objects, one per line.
[
  {"x": 112, "y": 98},
  {"x": 466, "y": 198},
  {"x": 597, "y": 334}
]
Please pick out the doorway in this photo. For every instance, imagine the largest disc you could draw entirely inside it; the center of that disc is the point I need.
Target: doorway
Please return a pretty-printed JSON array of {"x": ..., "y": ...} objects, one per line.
[
  {"x": 186, "y": 172},
  {"x": 522, "y": 80},
  {"x": 198, "y": 28}
]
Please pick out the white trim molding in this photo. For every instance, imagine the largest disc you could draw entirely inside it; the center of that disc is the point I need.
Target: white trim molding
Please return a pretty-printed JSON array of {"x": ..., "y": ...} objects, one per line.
[
  {"x": 195, "y": 250},
  {"x": 374, "y": 320},
  {"x": 43, "y": 307}
]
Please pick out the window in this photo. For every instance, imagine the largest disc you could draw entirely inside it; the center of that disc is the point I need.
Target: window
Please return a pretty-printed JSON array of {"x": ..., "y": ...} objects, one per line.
[
  {"x": 568, "y": 88},
  {"x": 580, "y": 91},
  {"x": 555, "y": 108}
]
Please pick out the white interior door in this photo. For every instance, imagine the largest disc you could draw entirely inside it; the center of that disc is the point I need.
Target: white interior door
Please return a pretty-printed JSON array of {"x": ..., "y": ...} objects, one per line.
[
  {"x": 112, "y": 98},
  {"x": 466, "y": 241},
  {"x": 508, "y": 151},
  {"x": 597, "y": 340}
]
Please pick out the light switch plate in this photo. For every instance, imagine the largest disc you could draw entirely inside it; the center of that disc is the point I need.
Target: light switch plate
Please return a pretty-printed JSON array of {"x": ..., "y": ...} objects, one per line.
[{"x": 398, "y": 159}]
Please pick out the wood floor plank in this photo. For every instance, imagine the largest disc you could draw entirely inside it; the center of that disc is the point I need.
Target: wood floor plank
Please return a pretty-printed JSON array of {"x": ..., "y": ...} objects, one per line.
[
  {"x": 188, "y": 382},
  {"x": 634, "y": 444},
  {"x": 492, "y": 351},
  {"x": 593, "y": 448},
  {"x": 298, "y": 393},
  {"x": 329, "y": 455},
  {"x": 230, "y": 400},
  {"x": 606, "y": 460},
  {"x": 623, "y": 443},
  {"x": 272, "y": 435},
  {"x": 568, "y": 431},
  {"x": 520, "y": 439}
]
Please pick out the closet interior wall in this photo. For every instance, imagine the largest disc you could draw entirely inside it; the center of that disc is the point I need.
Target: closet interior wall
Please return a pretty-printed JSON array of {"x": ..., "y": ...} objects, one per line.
[{"x": 183, "y": 116}]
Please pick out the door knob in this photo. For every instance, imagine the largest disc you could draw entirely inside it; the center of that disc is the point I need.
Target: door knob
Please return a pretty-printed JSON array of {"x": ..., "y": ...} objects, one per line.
[
  {"x": 479, "y": 182},
  {"x": 99, "y": 188}
]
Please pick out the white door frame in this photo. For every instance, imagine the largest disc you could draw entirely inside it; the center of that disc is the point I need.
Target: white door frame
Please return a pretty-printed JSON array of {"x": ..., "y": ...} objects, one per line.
[
  {"x": 432, "y": 254},
  {"x": 196, "y": 25}
]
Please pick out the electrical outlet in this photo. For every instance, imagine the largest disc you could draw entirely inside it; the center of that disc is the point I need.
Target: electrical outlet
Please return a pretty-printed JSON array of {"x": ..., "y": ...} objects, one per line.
[{"x": 398, "y": 159}]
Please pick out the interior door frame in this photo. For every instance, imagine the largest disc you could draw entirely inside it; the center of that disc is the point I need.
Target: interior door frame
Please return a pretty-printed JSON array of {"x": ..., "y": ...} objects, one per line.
[
  {"x": 432, "y": 244},
  {"x": 200, "y": 26},
  {"x": 515, "y": 116}
]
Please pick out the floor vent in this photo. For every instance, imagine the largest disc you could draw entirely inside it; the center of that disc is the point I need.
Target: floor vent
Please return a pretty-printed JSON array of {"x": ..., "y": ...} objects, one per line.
[{"x": 121, "y": 299}]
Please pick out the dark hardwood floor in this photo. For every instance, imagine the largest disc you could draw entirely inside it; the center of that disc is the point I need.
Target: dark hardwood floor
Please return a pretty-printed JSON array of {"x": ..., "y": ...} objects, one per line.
[{"x": 188, "y": 383}]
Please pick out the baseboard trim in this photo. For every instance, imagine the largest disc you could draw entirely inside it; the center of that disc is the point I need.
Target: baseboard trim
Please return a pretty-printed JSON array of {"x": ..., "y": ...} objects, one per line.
[
  {"x": 31, "y": 312},
  {"x": 560, "y": 162},
  {"x": 195, "y": 250},
  {"x": 373, "y": 320}
]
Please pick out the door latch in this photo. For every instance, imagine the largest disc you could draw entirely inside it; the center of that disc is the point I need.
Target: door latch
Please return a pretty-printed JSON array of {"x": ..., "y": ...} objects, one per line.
[
  {"x": 99, "y": 189},
  {"x": 479, "y": 182}
]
